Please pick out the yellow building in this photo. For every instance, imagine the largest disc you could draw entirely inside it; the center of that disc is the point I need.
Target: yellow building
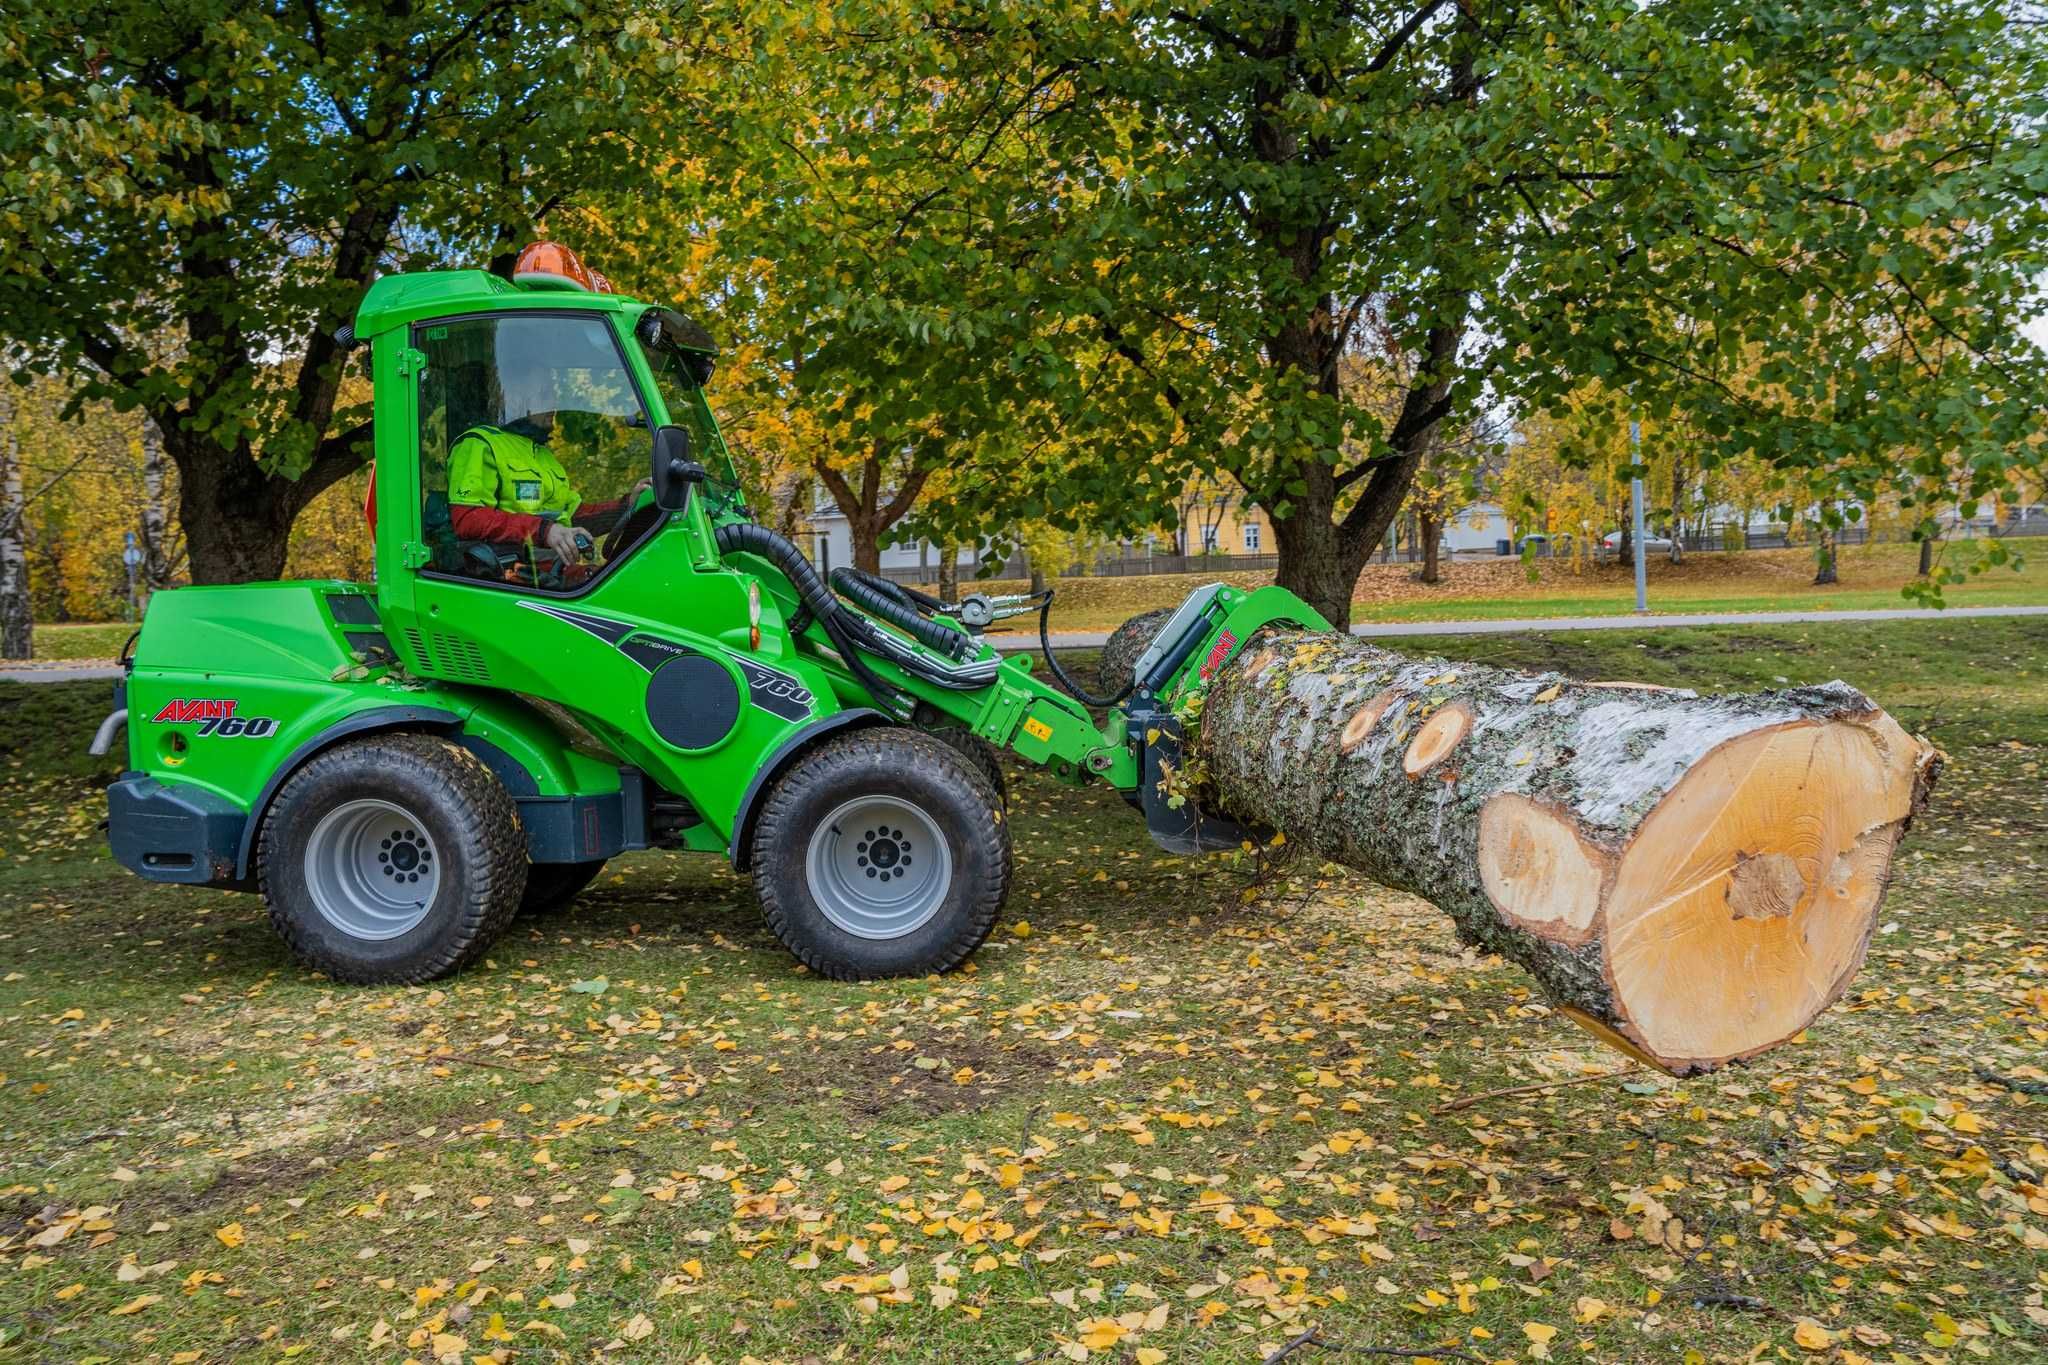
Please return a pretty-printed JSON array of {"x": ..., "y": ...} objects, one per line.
[{"x": 1215, "y": 517}]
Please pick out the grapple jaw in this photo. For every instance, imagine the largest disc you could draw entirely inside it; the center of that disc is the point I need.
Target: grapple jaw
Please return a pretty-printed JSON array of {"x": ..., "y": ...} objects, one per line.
[{"x": 1203, "y": 633}]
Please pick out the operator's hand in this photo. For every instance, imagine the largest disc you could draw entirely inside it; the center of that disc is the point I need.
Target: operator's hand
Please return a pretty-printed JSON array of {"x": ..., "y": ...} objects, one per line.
[
  {"x": 562, "y": 541},
  {"x": 633, "y": 493}
]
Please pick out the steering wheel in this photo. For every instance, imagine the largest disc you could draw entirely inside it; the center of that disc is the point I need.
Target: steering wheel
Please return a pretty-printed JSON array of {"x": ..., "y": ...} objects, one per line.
[
  {"x": 534, "y": 566},
  {"x": 632, "y": 524}
]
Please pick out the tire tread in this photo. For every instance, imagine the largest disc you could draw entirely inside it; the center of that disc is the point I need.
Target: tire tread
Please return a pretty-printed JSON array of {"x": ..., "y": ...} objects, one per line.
[
  {"x": 488, "y": 821},
  {"x": 885, "y": 745}
]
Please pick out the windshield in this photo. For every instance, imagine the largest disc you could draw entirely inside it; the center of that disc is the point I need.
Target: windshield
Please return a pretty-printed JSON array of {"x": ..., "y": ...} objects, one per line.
[{"x": 675, "y": 376}]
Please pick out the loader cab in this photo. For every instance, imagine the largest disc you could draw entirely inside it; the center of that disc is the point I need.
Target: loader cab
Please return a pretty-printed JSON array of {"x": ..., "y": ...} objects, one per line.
[
  {"x": 533, "y": 450},
  {"x": 515, "y": 428}
]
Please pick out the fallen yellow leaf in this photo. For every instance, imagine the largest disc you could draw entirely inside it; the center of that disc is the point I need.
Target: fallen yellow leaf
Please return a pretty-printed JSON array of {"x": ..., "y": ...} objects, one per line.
[{"x": 1812, "y": 1336}]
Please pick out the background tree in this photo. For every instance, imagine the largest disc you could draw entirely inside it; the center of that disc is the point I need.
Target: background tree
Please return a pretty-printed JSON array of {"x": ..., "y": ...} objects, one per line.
[
  {"x": 17, "y": 635},
  {"x": 229, "y": 178},
  {"x": 1528, "y": 195}
]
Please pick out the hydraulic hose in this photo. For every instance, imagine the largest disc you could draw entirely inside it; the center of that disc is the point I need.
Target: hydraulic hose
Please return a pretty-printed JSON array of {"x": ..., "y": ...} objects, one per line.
[
  {"x": 880, "y": 597},
  {"x": 811, "y": 591},
  {"x": 901, "y": 591},
  {"x": 1073, "y": 688},
  {"x": 783, "y": 553}
]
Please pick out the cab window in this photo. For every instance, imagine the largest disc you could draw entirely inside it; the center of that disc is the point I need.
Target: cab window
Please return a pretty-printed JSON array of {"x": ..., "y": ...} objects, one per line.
[{"x": 533, "y": 450}]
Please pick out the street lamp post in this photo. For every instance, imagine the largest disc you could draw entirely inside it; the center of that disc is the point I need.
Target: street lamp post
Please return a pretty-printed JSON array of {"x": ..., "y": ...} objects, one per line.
[{"x": 1635, "y": 502}]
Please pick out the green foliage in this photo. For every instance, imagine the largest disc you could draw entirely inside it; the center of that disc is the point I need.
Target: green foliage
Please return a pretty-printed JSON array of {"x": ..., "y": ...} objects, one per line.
[
  {"x": 1147, "y": 240},
  {"x": 193, "y": 197}
]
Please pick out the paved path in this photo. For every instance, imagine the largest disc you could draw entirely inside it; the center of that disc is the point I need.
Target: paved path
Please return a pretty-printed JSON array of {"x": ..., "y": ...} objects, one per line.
[
  {"x": 58, "y": 673},
  {"x": 1097, "y": 639}
]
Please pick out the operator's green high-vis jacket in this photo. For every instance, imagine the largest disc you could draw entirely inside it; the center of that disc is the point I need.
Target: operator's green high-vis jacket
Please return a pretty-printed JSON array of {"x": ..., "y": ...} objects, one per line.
[{"x": 502, "y": 469}]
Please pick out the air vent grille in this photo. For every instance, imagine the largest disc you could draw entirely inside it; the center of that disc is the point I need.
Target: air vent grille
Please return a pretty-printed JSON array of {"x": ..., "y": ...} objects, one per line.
[
  {"x": 460, "y": 658},
  {"x": 451, "y": 656}
]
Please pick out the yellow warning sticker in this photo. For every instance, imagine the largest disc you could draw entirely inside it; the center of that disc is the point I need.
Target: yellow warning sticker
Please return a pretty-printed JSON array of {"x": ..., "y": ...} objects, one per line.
[{"x": 1037, "y": 728}]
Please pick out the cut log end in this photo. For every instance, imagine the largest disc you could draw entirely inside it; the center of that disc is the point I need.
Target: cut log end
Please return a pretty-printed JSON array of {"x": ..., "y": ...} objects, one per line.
[
  {"x": 1359, "y": 728},
  {"x": 1746, "y": 899},
  {"x": 1538, "y": 870},
  {"x": 1437, "y": 737}
]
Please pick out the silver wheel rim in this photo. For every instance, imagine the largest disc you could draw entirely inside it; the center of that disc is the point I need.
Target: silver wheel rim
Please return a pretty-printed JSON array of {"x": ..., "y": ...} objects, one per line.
[
  {"x": 372, "y": 869},
  {"x": 879, "y": 867}
]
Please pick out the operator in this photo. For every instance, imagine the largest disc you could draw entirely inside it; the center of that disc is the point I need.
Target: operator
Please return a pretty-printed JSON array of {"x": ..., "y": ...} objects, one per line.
[{"x": 506, "y": 487}]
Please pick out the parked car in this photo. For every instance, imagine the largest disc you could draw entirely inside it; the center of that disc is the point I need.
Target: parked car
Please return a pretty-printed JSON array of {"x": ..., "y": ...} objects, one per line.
[{"x": 1654, "y": 542}]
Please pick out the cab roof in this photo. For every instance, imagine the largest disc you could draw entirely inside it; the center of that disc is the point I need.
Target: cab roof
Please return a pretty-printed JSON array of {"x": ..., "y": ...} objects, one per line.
[{"x": 396, "y": 300}]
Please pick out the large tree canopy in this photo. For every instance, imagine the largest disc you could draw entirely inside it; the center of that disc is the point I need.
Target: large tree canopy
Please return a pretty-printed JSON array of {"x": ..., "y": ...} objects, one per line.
[
  {"x": 193, "y": 197},
  {"x": 1813, "y": 226}
]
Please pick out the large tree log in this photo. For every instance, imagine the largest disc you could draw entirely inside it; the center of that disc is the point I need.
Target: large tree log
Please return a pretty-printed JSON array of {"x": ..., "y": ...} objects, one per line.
[
  {"x": 1692, "y": 878},
  {"x": 1125, "y": 646}
]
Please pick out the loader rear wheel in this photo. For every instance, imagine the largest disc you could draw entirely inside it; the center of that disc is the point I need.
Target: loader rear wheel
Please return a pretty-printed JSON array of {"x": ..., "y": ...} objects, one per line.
[
  {"x": 552, "y": 886},
  {"x": 391, "y": 860},
  {"x": 882, "y": 853}
]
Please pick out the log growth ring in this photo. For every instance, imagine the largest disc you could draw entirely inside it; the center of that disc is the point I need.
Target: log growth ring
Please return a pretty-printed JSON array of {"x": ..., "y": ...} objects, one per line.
[{"x": 1745, "y": 901}]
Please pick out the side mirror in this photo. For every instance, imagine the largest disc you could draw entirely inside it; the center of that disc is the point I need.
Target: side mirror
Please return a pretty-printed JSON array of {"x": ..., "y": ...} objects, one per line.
[{"x": 674, "y": 470}]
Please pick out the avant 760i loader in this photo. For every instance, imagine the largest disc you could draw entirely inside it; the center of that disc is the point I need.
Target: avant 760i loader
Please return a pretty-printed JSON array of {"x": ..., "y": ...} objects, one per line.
[{"x": 539, "y": 679}]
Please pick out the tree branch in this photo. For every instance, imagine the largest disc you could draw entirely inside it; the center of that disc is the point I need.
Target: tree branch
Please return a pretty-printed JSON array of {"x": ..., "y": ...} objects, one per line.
[
  {"x": 1217, "y": 31},
  {"x": 1392, "y": 47},
  {"x": 906, "y": 496}
]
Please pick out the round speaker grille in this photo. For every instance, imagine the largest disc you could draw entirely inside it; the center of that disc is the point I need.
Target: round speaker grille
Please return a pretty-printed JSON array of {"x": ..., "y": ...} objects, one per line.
[{"x": 692, "y": 702}]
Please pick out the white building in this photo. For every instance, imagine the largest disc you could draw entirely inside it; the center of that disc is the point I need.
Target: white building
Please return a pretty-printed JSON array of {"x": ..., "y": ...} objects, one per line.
[
  {"x": 1477, "y": 528},
  {"x": 832, "y": 545}
]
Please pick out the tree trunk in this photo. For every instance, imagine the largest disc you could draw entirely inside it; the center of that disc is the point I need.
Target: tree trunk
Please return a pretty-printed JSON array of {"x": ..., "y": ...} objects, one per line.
[
  {"x": 17, "y": 624},
  {"x": 949, "y": 573},
  {"x": 866, "y": 538},
  {"x": 1317, "y": 567},
  {"x": 1431, "y": 534},
  {"x": 237, "y": 519},
  {"x": 1824, "y": 554},
  {"x": 1693, "y": 878},
  {"x": 155, "y": 571},
  {"x": 1926, "y": 556}
]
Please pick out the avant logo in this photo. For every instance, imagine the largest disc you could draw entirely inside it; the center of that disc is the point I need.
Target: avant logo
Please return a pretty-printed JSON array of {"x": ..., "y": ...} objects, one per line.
[
  {"x": 1219, "y": 652},
  {"x": 216, "y": 716}
]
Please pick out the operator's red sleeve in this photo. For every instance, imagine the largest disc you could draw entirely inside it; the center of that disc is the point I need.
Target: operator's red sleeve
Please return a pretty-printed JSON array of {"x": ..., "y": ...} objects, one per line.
[
  {"x": 592, "y": 513},
  {"x": 488, "y": 523}
]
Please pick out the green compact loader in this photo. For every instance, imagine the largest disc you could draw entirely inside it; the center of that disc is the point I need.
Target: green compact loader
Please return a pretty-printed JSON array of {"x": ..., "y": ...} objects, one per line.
[{"x": 577, "y": 643}]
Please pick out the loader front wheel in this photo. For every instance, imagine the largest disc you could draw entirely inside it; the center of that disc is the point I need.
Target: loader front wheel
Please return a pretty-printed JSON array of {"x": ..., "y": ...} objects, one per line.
[
  {"x": 882, "y": 853},
  {"x": 391, "y": 860}
]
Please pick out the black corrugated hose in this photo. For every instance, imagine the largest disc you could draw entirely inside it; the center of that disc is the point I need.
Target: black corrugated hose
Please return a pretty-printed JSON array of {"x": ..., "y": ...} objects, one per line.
[
  {"x": 810, "y": 590},
  {"x": 894, "y": 604}
]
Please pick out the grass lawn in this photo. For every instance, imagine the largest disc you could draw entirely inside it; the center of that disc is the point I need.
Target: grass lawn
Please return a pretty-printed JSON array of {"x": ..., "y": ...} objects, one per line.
[
  {"x": 88, "y": 640},
  {"x": 1163, "y": 1115}
]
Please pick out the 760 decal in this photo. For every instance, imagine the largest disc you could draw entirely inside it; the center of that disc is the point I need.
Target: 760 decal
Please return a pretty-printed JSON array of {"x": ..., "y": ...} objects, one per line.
[{"x": 215, "y": 716}]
